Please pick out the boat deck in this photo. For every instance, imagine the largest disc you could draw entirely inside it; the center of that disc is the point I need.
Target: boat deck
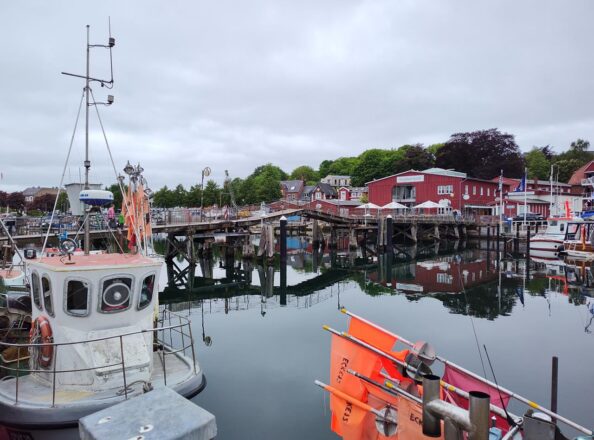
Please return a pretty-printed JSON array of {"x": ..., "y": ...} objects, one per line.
[{"x": 34, "y": 392}]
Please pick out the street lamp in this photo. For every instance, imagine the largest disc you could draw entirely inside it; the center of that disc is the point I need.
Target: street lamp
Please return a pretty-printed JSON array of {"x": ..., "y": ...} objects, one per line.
[{"x": 205, "y": 172}]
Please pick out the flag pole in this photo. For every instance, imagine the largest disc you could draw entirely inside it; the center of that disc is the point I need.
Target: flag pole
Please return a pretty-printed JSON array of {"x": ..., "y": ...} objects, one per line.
[
  {"x": 501, "y": 202},
  {"x": 525, "y": 189}
]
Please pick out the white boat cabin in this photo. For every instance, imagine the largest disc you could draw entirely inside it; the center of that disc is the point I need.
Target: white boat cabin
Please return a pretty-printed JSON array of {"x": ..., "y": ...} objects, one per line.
[{"x": 102, "y": 307}]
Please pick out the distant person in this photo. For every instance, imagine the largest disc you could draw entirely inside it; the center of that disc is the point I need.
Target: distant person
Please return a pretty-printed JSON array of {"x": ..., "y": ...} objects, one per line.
[
  {"x": 111, "y": 216},
  {"x": 121, "y": 220}
]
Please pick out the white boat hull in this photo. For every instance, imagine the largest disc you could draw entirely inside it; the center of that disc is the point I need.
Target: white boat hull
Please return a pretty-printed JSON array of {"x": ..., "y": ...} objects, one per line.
[{"x": 545, "y": 247}]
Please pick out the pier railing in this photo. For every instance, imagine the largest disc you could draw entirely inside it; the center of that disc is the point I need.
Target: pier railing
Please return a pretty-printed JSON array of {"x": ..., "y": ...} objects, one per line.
[{"x": 172, "y": 336}]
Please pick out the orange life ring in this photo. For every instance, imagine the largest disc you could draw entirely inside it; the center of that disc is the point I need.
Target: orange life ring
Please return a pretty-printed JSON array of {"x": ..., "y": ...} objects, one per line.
[{"x": 41, "y": 326}]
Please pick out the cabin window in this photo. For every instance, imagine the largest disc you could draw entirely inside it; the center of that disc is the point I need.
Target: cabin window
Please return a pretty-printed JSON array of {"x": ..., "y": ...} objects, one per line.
[
  {"x": 77, "y": 297},
  {"x": 46, "y": 288},
  {"x": 36, "y": 290},
  {"x": 146, "y": 292},
  {"x": 562, "y": 227},
  {"x": 115, "y": 294}
]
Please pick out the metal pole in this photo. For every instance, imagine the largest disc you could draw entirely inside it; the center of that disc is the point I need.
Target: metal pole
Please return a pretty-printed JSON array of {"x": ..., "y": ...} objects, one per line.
[
  {"x": 87, "y": 161},
  {"x": 202, "y": 197},
  {"x": 554, "y": 384}
]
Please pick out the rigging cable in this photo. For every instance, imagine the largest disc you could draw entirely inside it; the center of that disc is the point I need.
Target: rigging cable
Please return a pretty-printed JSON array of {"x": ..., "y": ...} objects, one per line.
[
  {"x": 124, "y": 198},
  {"x": 49, "y": 227},
  {"x": 459, "y": 258}
]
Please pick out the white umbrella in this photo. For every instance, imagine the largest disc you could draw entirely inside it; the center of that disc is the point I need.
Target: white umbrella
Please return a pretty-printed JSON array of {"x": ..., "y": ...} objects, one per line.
[
  {"x": 428, "y": 205},
  {"x": 394, "y": 205},
  {"x": 368, "y": 206}
]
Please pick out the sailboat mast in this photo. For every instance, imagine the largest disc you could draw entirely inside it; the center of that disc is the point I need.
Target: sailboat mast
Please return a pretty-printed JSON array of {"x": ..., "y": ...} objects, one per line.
[{"x": 87, "y": 161}]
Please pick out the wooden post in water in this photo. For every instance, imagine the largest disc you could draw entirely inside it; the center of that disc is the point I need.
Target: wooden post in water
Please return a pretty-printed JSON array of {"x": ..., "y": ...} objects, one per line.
[
  {"x": 389, "y": 235},
  {"x": 283, "y": 240},
  {"x": 554, "y": 384},
  {"x": 498, "y": 237},
  {"x": 517, "y": 241}
]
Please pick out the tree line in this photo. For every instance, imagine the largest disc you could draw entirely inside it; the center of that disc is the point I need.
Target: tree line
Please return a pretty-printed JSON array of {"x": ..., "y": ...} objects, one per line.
[{"x": 481, "y": 154}]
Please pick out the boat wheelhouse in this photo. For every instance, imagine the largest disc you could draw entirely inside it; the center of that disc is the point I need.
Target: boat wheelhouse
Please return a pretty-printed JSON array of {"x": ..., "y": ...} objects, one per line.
[
  {"x": 579, "y": 241},
  {"x": 94, "y": 342},
  {"x": 549, "y": 243}
]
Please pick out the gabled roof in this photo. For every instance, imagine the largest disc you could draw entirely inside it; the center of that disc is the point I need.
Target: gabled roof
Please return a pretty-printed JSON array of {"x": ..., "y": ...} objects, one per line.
[
  {"x": 31, "y": 191},
  {"x": 308, "y": 189},
  {"x": 292, "y": 186},
  {"x": 580, "y": 173},
  {"x": 326, "y": 188}
]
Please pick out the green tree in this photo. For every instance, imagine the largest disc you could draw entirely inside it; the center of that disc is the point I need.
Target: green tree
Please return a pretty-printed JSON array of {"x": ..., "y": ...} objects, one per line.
[
  {"x": 212, "y": 193},
  {"x": 117, "y": 194},
  {"x": 324, "y": 168},
  {"x": 193, "y": 196},
  {"x": 566, "y": 168},
  {"x": 306, "y": 173},
  {"x": 373, "y": 164},
  {"x": 417, "y": 157},
  {"x": 538, "y": 165},
  {"x": 180, "y": 195},
  {"x": 343, "y": 166},
  {"x": 164, "y": 198}
]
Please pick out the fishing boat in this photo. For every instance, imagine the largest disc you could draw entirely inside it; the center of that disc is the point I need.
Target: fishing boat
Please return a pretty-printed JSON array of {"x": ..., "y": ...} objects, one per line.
[
  {"x": 98, "y": 336},
  {"x": 383, "y": 386}
]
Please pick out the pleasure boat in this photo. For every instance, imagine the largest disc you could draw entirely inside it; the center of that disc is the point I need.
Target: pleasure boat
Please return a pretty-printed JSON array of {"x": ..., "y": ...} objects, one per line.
[
  {"x": 579, "y": 245},
  {"x": 98, "y": 336},
  {"x": 549, "y": 243}
]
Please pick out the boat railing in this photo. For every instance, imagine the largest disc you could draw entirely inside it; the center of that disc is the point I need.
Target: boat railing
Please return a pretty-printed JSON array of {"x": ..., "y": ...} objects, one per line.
[{"x": 172, "y": 336}]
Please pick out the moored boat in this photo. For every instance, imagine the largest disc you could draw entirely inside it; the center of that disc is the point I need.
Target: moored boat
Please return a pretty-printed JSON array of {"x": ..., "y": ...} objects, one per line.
[
  {"x": 98, "y": 336},
  {"x": 383, "y": 386}
]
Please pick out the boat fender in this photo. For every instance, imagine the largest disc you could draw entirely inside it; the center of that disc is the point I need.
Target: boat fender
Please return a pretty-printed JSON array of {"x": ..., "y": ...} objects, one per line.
[{"x": 41, "y": 329}]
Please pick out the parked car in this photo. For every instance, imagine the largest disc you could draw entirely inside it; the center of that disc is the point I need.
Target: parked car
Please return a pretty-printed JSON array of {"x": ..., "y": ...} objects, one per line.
[{"x": 530, "y": 217}]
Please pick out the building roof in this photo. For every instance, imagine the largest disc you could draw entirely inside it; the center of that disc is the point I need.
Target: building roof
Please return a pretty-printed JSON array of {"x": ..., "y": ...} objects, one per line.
[
  {"x": 326, "y": 188},
  {"x": 444, "y": 172},
  {"x": 340, "y": 202},
  {"x": 31, "y": 191},
  {"x": 580, "y": 173},
  {"x": 307, "y": 189},
  {"x": 292, "y": 186},
  {"x": 336, "y": 176}
]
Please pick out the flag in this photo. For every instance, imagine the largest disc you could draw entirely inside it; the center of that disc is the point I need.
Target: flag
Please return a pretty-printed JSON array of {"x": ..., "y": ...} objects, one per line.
[
  {"x": 522, "y": 185},
  {"x": 462, "y": 380}
]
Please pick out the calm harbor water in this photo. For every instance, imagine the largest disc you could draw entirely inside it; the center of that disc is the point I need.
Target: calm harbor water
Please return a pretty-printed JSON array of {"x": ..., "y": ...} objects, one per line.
[{"x": 263, "y": 356}]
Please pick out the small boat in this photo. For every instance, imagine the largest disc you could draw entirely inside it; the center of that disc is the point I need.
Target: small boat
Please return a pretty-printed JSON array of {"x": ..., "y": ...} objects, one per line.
[
  {"x": 383, "y": 386},
  {"x": 549, "y": 243},
  {"x": 12, "y": 277}
]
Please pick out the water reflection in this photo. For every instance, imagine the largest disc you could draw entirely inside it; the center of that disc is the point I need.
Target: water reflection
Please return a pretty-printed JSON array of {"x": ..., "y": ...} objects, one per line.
[{"x": 467, "y": 281}]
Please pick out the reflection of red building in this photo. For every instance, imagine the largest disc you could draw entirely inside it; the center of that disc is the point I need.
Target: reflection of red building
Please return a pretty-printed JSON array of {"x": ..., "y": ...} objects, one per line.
[{"x": 441, "y": 276}]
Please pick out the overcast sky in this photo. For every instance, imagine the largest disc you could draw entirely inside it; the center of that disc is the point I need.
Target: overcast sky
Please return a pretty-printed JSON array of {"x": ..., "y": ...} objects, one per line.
[{"x": 236, "y": 84}]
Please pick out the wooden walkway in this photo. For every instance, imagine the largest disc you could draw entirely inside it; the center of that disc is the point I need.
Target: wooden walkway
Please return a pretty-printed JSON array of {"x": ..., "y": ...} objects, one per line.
[{"x": 210, "y": 227}]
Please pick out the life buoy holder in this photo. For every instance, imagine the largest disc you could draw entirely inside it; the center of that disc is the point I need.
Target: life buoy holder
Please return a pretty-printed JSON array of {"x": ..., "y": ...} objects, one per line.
[{"x": 41, "y": 329}]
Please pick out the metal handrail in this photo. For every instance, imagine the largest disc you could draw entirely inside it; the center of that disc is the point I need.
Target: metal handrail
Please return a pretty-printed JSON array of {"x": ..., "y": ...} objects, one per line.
[{"x": 167, "y": 349}]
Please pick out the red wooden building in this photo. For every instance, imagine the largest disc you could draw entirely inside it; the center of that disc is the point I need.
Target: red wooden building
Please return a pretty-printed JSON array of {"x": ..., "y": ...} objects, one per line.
[
  {"x": 338, "y": 207},
  {"x": 452, "y": 189}
]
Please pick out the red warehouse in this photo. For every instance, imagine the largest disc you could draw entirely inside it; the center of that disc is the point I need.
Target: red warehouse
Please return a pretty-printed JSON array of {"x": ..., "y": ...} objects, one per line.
[{"x": 452, "y": 189}]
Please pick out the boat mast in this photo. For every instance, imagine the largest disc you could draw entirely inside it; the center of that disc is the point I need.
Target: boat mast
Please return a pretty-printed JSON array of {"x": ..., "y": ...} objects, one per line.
[
  {"x": 87, "y": 161},
  {"x": 104, "y": 83}
]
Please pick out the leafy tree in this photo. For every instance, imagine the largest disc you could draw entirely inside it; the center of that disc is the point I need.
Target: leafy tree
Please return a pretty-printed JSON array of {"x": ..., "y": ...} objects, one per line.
[
  {"x": 580, "y": 146},
  {"x": 3, "y": 199},
  {"x": 537, "y": 163},
  {"x": 482, "y": 154},
  {"x": 566, "y": 168},
  {"x": 193, "y": 196},
  {"x": 212, "y": 193},
  {"x": 434, "y": 148},
  {"x": 343, "y": 166},
  {"x": 263, "y": 185},
  {"x": 180, "y": 195},
  {"x": 306, "y": 173},
  {"x": 44, "y": 202},
  {"x": 164, "y": 198},
  {"x": 117, "y": 194},
  {"x": 16, "y": 200},
  {"x": 416, "y": 157},
  {"x": 325, "y": 167},
  {"x": 63, "y": 203}
]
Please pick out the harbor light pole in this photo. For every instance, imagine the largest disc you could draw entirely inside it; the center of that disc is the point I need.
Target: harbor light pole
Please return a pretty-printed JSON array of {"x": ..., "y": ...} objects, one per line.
[{"x": 205, "y": 172}]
